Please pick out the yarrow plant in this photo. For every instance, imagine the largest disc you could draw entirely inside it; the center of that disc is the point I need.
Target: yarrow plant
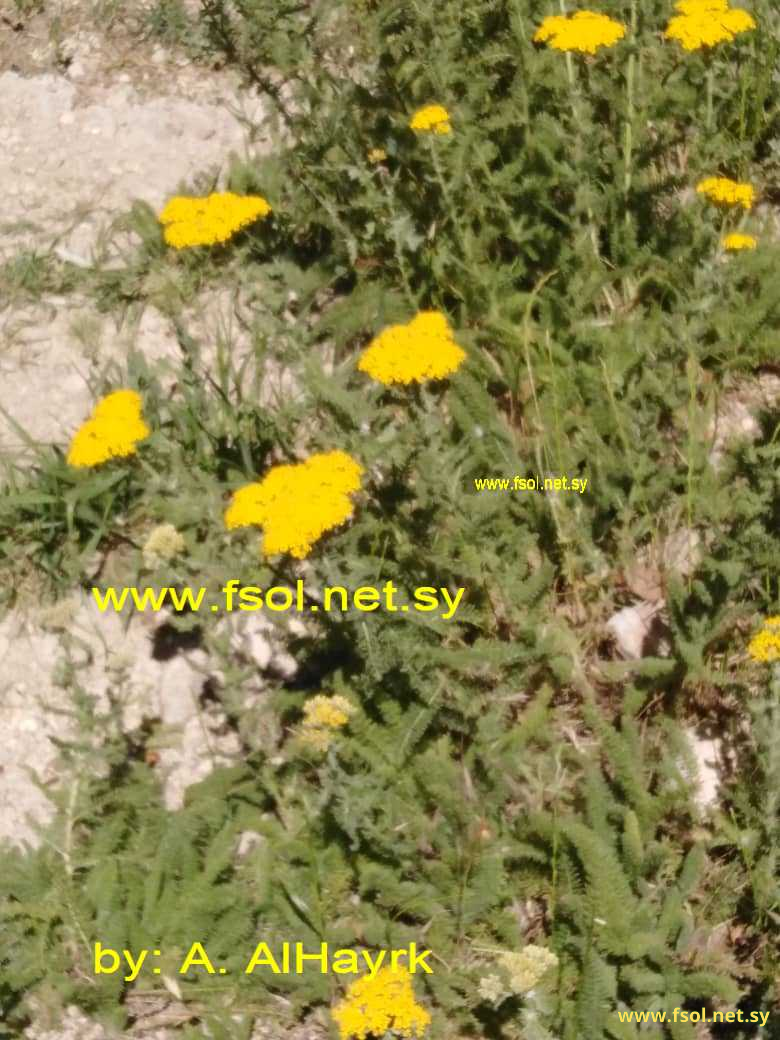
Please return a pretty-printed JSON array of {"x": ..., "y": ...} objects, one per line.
[
  {"x": 296, "y": 504},
  {"x": 726, "y": 192},
  {"x": 543, "y": 236},
  {"x": 584, "y": 32},
  {"x": 706, "y": 23},
  {"x": 164, "y": 542},
  {"x": 491, "y": 988},
  {"x": 206, "y": 221},
  {"x": 522, "y": 969},
  {"x": 765, "y": 645},
  {"x": 737, "y": 241},
  {"x": 322, "y": 718},
  {"x": 527, "y": 967},
  {"x": 382, "y": 1005},
  {"x": 113, "y": 430},
  {"x": 431, "y": 119},
  {"x": 422, "y": 349}
]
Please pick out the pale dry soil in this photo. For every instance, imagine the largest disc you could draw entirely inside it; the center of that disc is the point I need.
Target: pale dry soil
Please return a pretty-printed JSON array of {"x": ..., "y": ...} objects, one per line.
[{"x": 92, "y": 119}]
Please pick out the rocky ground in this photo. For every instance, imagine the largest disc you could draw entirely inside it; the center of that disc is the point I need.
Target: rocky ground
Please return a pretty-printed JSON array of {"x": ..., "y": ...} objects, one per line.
[
  {"x": 95, "y": 114},
  {"x": 93, "y": 118}
]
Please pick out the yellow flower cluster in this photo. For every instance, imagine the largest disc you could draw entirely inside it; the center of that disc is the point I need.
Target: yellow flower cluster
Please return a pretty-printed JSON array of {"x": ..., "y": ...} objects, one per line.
[
  {"x": 527, "y": 967},
  {"x": 584, "y": 32},
  {"x": 296, "y": 504},
  {"x": 206, "y": 221},
  {"x": 164, "y": 542},
  {"x": 321, "y": 717},
  {"x": 112, "y": 431},
  {"x": 422, "y": 349},
  {"x": 431, "y": 119},
  {"x": 726, "y": 191},
  {"x": 373, "y": 1006},
  {"x": 706, "y": 23},
  {"x": 737, "y": 241},
  {"x": 765, "y": 646},
  {"x": 377, "y": 155}
]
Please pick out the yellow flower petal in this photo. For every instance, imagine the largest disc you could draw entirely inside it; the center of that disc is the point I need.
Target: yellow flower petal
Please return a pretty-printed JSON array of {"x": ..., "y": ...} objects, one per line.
[
  {"x": 706, "y": 23},
  {"x": 374, "y": 1006},
  {"x": 736, "y": 241},
  {"x": 206, "y": 221},
  {"x": 296, "y": 504},
  {"x": 431, "y": 118},
  {"x": 422, "y": 349},
  {"x": 765, "y": 647},
  {"x": 113, "y": 430},
  {"x": 583, "y": 32},
  {"x": 727, "y": 192}
]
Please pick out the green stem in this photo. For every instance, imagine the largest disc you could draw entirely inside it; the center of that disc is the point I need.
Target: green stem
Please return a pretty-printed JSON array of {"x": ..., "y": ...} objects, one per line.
[
  {"x": 710, "y": 88},
  {"x": 398, "y": 250},
  {"x": 773, "y": 772},
  {"x": 577, "y": 114},
  {"x": 628, "y": 143},
  {"x": 451, "y": 211}
]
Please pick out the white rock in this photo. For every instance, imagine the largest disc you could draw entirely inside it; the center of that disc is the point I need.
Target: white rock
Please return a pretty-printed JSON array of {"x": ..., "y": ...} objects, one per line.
[
  {"x": 736, "y": 416},
  {"x": 631, "y": 627},
  {"x": 707, "y": 756},
  {"x": 34, "y": 709}
]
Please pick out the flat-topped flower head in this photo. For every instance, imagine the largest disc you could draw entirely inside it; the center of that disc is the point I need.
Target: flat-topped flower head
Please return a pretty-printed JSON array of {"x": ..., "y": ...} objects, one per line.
[
  {"x": 333, "y": 712},
  {"x": 375, "y": 1006},
  {"x": 765, "y": 646},
  {"x": 163, "y": 543},
  {"x": 296, "y": 504},
  {"x": 422, "y": 349},
  {"x": 431, "y": 119},
  {"x": 323, "y": 717},
  {"x": 491, "y": 988},
  {"x": 737, "y": 241},
  {"x": 527, "y": 967},
  {"x": 584, "y": 31},
  {"x": 112, "y": 431},
  {"x": 727, "y": 192},
  {"x": 205, "y": 221},
  {"x": 706, "y": 23}
]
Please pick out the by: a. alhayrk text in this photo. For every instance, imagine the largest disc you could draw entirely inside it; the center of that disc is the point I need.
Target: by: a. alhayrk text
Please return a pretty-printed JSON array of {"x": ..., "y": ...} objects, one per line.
[{"x": 294, "y": 959}]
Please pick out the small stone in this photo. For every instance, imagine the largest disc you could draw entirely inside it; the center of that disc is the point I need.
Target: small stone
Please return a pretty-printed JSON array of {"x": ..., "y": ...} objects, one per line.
[
  {"x": 67, "y": 119},
  {"x": 707, "y": 755},
  {"x": 631, "y": 629},
  {"x": 682, "y": 551}
]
